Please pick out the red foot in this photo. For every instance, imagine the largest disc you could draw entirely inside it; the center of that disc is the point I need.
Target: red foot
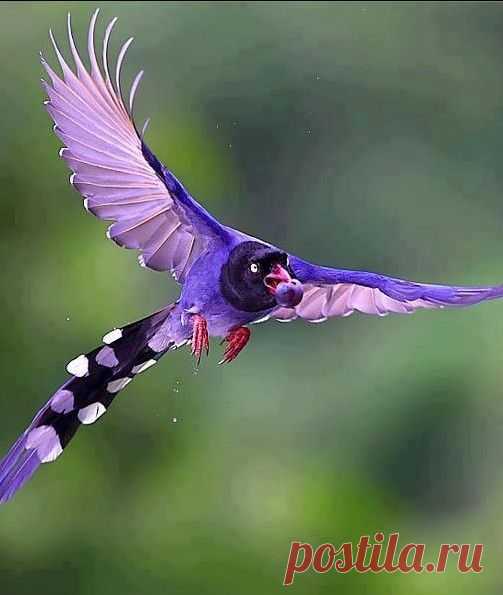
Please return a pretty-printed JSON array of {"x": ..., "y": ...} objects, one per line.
[
  {"x": 236, "y": 340},
  {"x": 200, "y": 340}
]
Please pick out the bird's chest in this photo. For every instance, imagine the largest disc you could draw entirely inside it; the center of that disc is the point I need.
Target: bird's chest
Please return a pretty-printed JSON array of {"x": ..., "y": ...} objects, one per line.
[{"x": 201, "y": 287}]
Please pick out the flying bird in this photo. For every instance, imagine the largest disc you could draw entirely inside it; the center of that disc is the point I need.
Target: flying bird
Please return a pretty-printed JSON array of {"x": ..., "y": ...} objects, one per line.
[{"x": 228, "y": 278}]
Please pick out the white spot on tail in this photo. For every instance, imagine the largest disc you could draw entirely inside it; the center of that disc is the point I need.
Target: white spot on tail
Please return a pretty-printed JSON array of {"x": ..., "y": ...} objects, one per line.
[
  {"x": 78, "y": 366},
  {"x": 112, "y": 336},
  {"x": 116, "y": 385},
  {"x": 181, "y": 343},
  {"x": 88, "y": 415},
  {"x": 145, "y": 366},
  {"x": 46, "y": 442}
]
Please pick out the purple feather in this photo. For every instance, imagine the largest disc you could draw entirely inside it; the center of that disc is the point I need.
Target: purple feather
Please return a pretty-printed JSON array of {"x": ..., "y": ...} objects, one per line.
[
  {"x": 229, "y": 279},
  {"x": 339, "y": 292},
  {"x": 118, "y": 176}
]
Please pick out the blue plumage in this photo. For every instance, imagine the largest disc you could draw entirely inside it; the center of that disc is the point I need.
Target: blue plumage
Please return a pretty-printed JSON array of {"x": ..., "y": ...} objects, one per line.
[{"x": 229, "y": 279}]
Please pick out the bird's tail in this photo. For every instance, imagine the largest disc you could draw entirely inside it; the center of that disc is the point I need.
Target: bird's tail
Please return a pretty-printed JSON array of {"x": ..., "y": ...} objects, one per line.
[{"x": 97, "y": 378}]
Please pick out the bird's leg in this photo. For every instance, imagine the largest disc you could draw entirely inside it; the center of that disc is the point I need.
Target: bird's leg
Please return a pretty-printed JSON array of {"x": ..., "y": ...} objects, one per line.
[
  {"x": 200, "y": 339},
  {"x": 235, "y": 340}
]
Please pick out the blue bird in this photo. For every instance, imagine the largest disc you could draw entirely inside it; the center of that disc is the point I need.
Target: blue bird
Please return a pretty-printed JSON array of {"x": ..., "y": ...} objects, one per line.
[{"x": 228, "y": 279}]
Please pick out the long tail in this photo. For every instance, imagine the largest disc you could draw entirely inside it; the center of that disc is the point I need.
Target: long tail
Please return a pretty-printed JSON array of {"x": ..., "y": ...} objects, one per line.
[{"x": 97, "y": 378}]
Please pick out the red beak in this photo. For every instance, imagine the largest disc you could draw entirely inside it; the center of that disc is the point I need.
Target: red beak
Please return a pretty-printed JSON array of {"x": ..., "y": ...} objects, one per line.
[{"x": 277, "y": 275}]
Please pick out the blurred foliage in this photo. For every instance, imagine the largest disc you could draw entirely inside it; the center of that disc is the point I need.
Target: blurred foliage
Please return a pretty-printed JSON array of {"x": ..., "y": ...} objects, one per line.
[{"x": 364, "y": 135}]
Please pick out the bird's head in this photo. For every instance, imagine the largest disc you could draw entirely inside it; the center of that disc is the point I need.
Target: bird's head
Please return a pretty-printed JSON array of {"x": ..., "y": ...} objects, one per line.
[{"x": 258, "y": 277}]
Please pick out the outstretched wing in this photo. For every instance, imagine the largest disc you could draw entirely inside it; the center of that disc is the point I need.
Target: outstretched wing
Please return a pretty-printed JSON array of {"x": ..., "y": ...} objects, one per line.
[
  {"x": 338, "y": 292},
  {"x": 116, "y": 173}
]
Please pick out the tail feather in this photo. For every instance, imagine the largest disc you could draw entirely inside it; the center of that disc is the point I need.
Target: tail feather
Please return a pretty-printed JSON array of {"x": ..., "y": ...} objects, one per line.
[{"x": 97, "y": 378}]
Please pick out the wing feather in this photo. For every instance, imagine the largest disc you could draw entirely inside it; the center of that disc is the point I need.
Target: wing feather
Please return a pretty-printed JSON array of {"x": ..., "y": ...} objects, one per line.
[
  {"x": 337, "y": 292},
  {"x": 149, "y": 208}
]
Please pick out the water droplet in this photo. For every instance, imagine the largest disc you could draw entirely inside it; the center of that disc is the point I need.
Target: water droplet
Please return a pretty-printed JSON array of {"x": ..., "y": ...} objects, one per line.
[
  {"x": 174, "y": 420},
  {"x": 67, "y": 319}
]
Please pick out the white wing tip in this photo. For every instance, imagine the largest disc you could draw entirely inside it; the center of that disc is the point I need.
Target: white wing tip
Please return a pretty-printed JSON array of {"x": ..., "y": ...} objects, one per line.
[
  {"x": 95, "y": 14},
  {"x": 318, "y": 320},
  {"x": 134, "y": 88},
  {"x": 145, "y": 126}
]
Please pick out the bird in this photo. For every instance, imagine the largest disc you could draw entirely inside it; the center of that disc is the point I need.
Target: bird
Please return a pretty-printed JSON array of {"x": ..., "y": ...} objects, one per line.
[{"x": 228, "y": 279}]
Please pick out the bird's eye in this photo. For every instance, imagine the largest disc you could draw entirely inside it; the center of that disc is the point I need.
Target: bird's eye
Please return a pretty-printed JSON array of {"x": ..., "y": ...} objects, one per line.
[{"x": 254, "y": 268}]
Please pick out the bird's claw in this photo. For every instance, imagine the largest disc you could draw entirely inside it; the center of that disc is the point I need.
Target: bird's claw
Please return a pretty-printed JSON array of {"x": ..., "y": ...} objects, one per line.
[
  {"x": 235, "y": 340},
  {"x": 200, "y": 339}
]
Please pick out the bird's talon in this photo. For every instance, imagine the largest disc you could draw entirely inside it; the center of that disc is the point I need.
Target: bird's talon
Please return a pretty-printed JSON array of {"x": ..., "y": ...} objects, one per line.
[
  {"x": 200, "y": 339},
  {"x": 236, "y": 340}
]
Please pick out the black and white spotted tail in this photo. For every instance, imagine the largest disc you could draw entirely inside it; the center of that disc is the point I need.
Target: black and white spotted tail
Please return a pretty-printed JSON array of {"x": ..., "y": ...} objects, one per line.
[{"x": 97, "y": 378}]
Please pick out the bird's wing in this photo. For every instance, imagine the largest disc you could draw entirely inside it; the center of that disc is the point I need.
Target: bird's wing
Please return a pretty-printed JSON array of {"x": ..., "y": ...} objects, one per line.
[
  {"x": 338, "y": 292},
  {"x": 119, "y": 177}
]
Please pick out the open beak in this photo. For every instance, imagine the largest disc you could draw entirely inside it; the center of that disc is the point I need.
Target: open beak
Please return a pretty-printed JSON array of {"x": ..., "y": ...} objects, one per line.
[{"x": 277, "y": 275}]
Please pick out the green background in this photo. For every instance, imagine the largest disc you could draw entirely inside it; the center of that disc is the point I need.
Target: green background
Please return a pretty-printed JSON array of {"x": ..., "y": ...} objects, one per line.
[{"x": 362, "y": 135}]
